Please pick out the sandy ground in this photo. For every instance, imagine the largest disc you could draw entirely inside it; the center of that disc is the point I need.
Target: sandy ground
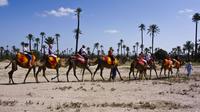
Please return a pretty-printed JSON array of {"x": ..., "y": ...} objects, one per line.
[{"x": 162, "y": 95}]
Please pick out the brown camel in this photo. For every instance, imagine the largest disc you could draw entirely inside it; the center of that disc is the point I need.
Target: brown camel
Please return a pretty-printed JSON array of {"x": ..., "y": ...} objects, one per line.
[
  {"x": 141, "y": 68},
  {"x": 177, "y": 63},
  {"x": 167, "y": 64},
  {"x": 21, "y": 60},
  {"x": 101, "y": 64},
  {"x": 51, "y": 63},
  {"x": 152, "y": 66},
  {"x": 75, "y": 62}
]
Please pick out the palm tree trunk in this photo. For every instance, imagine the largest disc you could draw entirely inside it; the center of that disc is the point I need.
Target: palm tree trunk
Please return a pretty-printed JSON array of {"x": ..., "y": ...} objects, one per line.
[
  {"x": 121, "y": 49},
  {"x": 152, "y": 43},
  {"x": 30, "y": 44},
  {"x": 142, "y": 41},
  {"x": 41, "y": 44},
  {"x": 77, "y": 33},
  {"x": 196, "y": 40},
  {"x": 57, "y": 45},
  {"x": 37, "y": 46}
]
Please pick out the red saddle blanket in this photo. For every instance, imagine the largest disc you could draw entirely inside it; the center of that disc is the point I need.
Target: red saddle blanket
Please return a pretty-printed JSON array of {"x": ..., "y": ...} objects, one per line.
[{"x": 79, "y": 58}]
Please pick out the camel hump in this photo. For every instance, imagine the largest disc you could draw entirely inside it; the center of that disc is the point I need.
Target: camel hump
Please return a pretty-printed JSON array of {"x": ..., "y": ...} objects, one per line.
[{"x": 108, "y": 60}]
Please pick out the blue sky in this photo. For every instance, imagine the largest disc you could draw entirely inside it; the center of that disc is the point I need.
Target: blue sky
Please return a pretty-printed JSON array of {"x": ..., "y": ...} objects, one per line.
[{"x": 103, "y": 21}]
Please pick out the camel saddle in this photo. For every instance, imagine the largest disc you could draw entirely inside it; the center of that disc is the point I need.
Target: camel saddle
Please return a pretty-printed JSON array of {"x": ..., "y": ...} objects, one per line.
[
  {"x": 79, "y": 58},
  {"x": 24, "y": 58},
  {"x": 53, "y": 61},
  {"x": 108, "y": 60}
]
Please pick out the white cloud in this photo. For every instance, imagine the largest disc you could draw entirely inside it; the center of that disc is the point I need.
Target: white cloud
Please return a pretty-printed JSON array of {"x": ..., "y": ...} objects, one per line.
[
  {"x": 111, "y": 31},
  {"x": 3, "y": 2},
  {"x": 58, "y": 12},
  {"x": 185, "y": 11}
]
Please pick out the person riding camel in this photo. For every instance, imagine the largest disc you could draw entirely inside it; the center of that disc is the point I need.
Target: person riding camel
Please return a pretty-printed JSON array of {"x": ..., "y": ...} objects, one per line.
[
  {"x": 50, "y": 51},
  {"x": 28, "y": 53},
  {"x": 141, "y": 59},
  {"x": 110, "y": 54},
  {"x": 83, "y": 53}
]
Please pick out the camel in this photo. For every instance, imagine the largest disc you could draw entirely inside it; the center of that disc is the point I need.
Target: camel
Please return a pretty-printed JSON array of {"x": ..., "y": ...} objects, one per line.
[
  {"x": 167, "y": 64},
  {"x": 177, "y": 65},
  {"x": 141, "y": 68},
  {"x": 152, "y": 66},
  {"x": 21, "y": 60},
  {"x": 78, "y": 61},
  {"x": 51, "y": 63},
  {"x": 101, "y": 64}
]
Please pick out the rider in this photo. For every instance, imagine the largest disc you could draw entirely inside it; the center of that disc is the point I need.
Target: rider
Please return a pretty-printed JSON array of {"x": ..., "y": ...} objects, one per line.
[
  {"x": 110, "y": 54},
  {"x": 141, "y": 58},
  {"x": 28, "y": 53},
  {"x": 50, "y": 51},
  {"x": 83, "y": 53}
]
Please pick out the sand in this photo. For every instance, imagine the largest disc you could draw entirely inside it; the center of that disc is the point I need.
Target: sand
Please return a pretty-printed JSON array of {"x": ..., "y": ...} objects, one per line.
[{"x": 157, "y": 95}]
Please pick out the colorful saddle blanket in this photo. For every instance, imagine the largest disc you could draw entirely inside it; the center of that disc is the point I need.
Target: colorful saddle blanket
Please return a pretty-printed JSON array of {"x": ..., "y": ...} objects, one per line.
[
  {"x": 24, "y": 58},
  {"x": 53, "y": 61},
  {"x": 79, "y": 58},
  {"x": 108, "y": 60}
]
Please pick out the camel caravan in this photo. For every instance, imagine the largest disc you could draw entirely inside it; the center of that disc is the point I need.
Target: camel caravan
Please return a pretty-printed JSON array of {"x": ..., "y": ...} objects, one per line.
[{"x": 140, "y": 65}]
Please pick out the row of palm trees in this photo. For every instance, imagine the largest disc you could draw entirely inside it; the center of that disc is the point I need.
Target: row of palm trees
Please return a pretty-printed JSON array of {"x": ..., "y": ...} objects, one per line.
[{"x": 49, "y": 40}]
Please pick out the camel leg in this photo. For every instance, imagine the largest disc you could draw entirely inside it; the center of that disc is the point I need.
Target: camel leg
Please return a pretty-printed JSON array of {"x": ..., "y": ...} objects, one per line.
[
  {"x": 67, "y": 73},
  {"x": 83, "y": 74},
  {"x": 161, "y": 71},
  {"x": 150, "y": 73},
  {"x": 130, "y": 75},
  {"x": 90, "y": 72},
  {"x": 119, "y": 73},
  {"x": 36, "y": 76},
  {"x": 27, "y": 74},
  {"x": 98, "y": 67},
  {"x": 57, "y": 73},
  {"x": 34, "y": 73},
  {"x": 74, "y": 69},
  {"x": 156, "y": 72},
  {"x": 44, "y": 75},
  {"x": 101, "y": 73},
  {"x": 11, "y": 76}
]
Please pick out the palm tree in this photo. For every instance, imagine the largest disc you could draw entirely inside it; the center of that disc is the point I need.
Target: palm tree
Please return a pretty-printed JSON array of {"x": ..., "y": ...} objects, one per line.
[
  {"x": 78, "y": 10},
  {"x": 124, "y": 48},
  {"x": 121, "y": 43},
  {"x": 14, "y": 49},
  {"x": 152, "y": 30},
  {"x": 118, "y": 45},
  {"x": 30, "y": 39},
  {"x": 196, "y": 18},
  {"x": 146, "y": 50},
  {"x": 57, "y": 36},
  {"x": 1, "y": 51},
  {"x": 134, "y": 48},
  {"x": 142, "y": 28},
  {"x": 42, "y": 35},
  {"x": 189, "y": 47},
  {"x": 49, "y": 41},
  {"x": 22, "y": 44},
  {"x": 137, "y": 45},
  {"x": 127, "y": 51},
  {"x": 178, "y": 50},
  {"x": 37, "y": 41}
]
